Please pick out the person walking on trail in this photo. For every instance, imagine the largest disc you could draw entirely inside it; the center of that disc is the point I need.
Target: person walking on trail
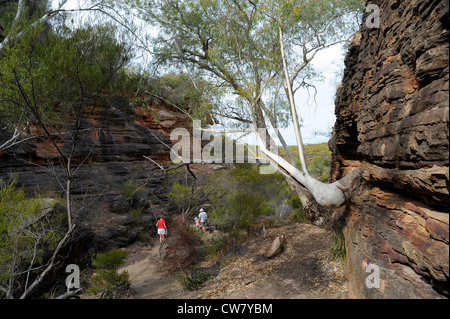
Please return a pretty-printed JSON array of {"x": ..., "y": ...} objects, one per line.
[
  {"x": 197, "y": 223},
  {"x": 203, "y": 218},
  {"x": 161, "y": 224}
]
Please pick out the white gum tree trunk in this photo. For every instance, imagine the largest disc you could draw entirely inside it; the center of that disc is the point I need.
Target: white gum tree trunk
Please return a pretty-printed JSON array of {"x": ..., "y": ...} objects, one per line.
[{"x": 329, "y": 195}]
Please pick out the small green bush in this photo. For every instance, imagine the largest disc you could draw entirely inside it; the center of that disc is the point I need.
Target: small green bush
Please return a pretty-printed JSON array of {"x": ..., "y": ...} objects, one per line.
[
  {"x": 194, "y": 280},
  {"x": 107, "y": 282},
  {"x": 297, "y": 215},
  {"x": 219, "y": 244},
  {"x": 26, "y": 234},
  {"x": 338, "y": 250},
  {"x": 136, "y": 213},
  {"x": 295, "y": 201},
  {"x": 128, "y": 188}
]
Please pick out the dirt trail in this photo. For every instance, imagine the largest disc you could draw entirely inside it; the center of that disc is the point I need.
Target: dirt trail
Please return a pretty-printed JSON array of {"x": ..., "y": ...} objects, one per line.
[
  {"x": 301, "y": 271},
  {"x": 147, "y": 276}
]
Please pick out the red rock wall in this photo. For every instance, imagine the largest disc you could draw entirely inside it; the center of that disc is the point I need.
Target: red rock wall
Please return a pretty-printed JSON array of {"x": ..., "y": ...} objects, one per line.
[
  {"x": 392, "y": 121},
  {"x": 112, "y": 152}
]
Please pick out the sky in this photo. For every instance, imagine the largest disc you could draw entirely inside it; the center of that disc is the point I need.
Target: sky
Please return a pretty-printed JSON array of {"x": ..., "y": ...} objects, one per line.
[{"x": 318, "y": 115}]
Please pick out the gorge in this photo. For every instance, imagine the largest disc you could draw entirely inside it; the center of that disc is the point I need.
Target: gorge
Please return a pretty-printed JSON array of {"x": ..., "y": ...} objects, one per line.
[{"x": 392, "y": 114}]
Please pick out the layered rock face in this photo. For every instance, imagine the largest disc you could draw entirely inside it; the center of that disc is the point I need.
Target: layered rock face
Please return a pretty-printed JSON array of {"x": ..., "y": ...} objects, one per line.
[
  {"x": 117, "y": 194},
  {"x": 392, "y": 121}
]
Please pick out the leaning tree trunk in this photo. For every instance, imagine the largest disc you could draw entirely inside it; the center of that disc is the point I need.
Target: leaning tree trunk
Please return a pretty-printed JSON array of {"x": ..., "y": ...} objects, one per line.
[{"x": 328, "y": 195}]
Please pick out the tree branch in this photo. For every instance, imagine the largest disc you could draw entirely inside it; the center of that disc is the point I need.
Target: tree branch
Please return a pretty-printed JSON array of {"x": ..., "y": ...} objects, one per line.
[
  {"x": 14, "y": 139},
  {"x": 288, "y": 88},
  {"x": 329, "y": 195},
  {"x": 51, "y": 264},
  {"x": 46, "y": 17}
]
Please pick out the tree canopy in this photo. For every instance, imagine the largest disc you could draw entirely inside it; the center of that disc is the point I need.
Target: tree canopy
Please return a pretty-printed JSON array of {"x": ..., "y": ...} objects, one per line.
[
  {"x": 236, "y": 43},
  {"x": 256, "y": 50}
]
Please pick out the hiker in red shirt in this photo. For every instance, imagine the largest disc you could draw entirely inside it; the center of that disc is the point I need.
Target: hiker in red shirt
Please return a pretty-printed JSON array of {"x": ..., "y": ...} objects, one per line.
[{"x": 161, "y": 224}]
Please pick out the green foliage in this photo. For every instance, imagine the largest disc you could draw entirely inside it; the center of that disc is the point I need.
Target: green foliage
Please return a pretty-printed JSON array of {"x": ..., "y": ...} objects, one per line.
[
  {"x": 318, "y": 157},
  {"x": 25, "y": 232},
  {"x": 110, "y": 260},
  {"x": 51, "y": 77},
  {"x": 179, "y": 90},
  {"x": 236, "y": 45},
  {"x": 245, "y": 208},
  {"x": 180, "y": 193},
  {"x": 319, "y": 167},
  {"x": 219, "y": 244},
  {"x": 185, "y": 93},
  {"x": 297, "y": 215},
  {"x": 318, "y": 149},
  {"x": 107, "y": 282},
  {"x": 185, "y": 197},
  {"x": 295, "y": 201},
  {"x": 242, "y": 196},
  {"x": 338, "y": 252},
  {"x": 238, "y": 198},
  {"x": 129, "y": 188},
  {"x": 194, "y": 280}
]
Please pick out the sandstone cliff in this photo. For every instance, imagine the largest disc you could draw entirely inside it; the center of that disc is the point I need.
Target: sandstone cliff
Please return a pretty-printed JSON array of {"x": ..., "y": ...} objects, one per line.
[
  {"x": 392, "y": 120},
  {"x": 113, "y": 167}
]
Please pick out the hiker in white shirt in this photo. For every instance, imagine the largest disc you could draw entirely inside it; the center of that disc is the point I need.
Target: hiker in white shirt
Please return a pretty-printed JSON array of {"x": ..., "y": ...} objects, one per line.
[{"x": 203, "y": 218}]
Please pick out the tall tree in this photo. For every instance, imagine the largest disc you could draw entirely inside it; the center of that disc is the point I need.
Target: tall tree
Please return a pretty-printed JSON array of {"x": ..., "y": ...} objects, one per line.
[{"x": 250, "y": 47}]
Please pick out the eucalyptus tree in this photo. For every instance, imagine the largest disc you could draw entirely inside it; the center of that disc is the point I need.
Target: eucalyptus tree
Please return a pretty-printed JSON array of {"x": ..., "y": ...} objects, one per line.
[
  {"x": 16, "y": 16},
  {"x": 251, "y": 48},
  {"x": 304, "y": 29}
]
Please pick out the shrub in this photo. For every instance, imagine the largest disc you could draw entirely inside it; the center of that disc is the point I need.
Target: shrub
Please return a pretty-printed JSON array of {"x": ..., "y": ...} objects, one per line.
[
  {"x": 192, "y": 281},
  {"x": 338, "y": 250},
  {"x": 219, "y": 244},
  {"x": 107, "y": 282},
  {"x": 319, "y": 167},
  {"x": 179, "y": 246},
  {"x": 28, "y": 234},
  {"x": 297, "y": 215},
  {"x": 295, "y": 201},
  {"x": 128, "y": 188}
]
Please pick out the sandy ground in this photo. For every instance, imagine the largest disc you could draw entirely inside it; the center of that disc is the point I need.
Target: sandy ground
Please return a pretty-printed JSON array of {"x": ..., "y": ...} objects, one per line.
[
  {"x": 301, "y": 271},
  {"x": 146, "y": 272}
]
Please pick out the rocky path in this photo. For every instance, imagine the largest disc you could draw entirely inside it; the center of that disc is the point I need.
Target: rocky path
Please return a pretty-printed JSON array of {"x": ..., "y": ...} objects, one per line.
[{"x": 301, "y": 271}]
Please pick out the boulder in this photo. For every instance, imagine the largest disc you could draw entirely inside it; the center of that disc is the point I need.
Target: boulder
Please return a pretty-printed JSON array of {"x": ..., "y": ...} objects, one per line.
[{"x": 276, "y": 247}]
